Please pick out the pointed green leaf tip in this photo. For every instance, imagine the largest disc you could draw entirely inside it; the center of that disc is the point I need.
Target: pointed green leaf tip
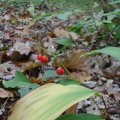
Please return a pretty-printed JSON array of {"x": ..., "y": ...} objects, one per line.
[
  {"x": 19, "y": 80},
  {"x": 112, "y": 51}
]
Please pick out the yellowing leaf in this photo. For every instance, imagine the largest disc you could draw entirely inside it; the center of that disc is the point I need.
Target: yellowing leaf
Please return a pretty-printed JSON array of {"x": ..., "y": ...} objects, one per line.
[{"x": 49, "y": 102}]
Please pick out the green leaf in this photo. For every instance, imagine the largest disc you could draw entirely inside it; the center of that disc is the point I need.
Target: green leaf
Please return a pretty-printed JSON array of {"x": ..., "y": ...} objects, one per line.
[
  {"x": 64, "y": 16},
  {"x": 117, "y": 33},
  {"x": 31, "y": 9},
  {"x": 65, "y": 42},
  {"x": 83, "y": 116},
  {"x": 109, "y": 19},
  {"x": 49, "y": 102},
  {"x": 50, "y": 74},
  {"x": 69, "y": 82},
  {"x": 19, "y": 80},
  {"x": 77, "y": 28},
  {"x": 112, "y": 51},
  {"x": 25, "y": 90},
  {"x": 37, "y": 17}
]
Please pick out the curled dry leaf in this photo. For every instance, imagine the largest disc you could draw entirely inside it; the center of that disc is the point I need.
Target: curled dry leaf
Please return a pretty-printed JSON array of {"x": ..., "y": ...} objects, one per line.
[{"x": 5, "y": 93}]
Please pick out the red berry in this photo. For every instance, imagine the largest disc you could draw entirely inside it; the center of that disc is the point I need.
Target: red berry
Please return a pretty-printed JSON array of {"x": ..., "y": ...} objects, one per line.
[
  {"x": 39, "y": 57},
  {"x": 60, "y": 71},
  {"x": 43, "y": 59}
]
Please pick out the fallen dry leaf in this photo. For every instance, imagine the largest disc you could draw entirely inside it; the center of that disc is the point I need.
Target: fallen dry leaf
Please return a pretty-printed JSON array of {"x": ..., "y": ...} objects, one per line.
[
  {"x": 61, "y": 33},
  {"x": 74, "y": 36},
  {"x": 3, "y": 57},
  {"x": 25, "y": 15},
  {"x": 37, "y": 80},
  {"x": 51, "y": 34},
  {"x": 71, "y": 110},
  {"x": 27, "y": 65},
  {"x": 115, "y": 91},
  {"x": 22, "y": 48},
  {"x": 5, "y": 93},
  {"x": 81, "y": 76}
]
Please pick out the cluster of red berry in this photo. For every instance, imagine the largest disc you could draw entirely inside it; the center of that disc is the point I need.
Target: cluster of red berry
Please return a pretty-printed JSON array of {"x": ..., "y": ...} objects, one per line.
[{"x": 44, "y": 59}]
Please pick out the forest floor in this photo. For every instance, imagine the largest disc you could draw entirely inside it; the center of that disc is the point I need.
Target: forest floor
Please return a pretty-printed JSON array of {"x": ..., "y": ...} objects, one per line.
[{"x": 24, "y": 37}]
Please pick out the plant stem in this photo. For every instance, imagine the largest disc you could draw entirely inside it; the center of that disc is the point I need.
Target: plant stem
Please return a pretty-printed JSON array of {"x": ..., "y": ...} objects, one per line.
[
  {"x": 105, "y": 106},
  {"x": 104, "y": 103},
  {"x": 67, "y": 71},
  {"x": 96, "y": 104},
  {"x": 72, "y": 77}
]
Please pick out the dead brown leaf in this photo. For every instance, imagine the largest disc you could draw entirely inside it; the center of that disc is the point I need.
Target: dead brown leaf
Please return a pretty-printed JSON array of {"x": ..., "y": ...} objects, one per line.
[
  {"x": 51, "y": 34},
  {"x": 37, "y": 80},
  {"x": 5, "y": 93},
  {"x": 27, "y": 65},
  {"x": 111, "y": 90},
  {"x": 3, "y": 56},
  {"x": 74, "y": 36},
  {"x": 71, "y": 110},
  {"x": 22, "y": 48},
  {"x": 25, "y": 15},
  {"x": 61, "y": 33},
  {"x": 81, "y": 76},
  {"x": 1, "y": 4}
]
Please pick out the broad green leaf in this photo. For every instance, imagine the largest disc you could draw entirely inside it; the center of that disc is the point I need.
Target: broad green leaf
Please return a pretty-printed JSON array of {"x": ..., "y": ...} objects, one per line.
[
  {"x": 83, "y": 116},
  {"x": 69, "y": 82},
  {"x": 50, "y": 74},
  {"x": 19, "y": 80},
  {"x": 49, "y": 102},
  {"x": 65, "y": 42},
  {"x": 25, "y": 90},
  {"x": 112, "y": 51}
]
